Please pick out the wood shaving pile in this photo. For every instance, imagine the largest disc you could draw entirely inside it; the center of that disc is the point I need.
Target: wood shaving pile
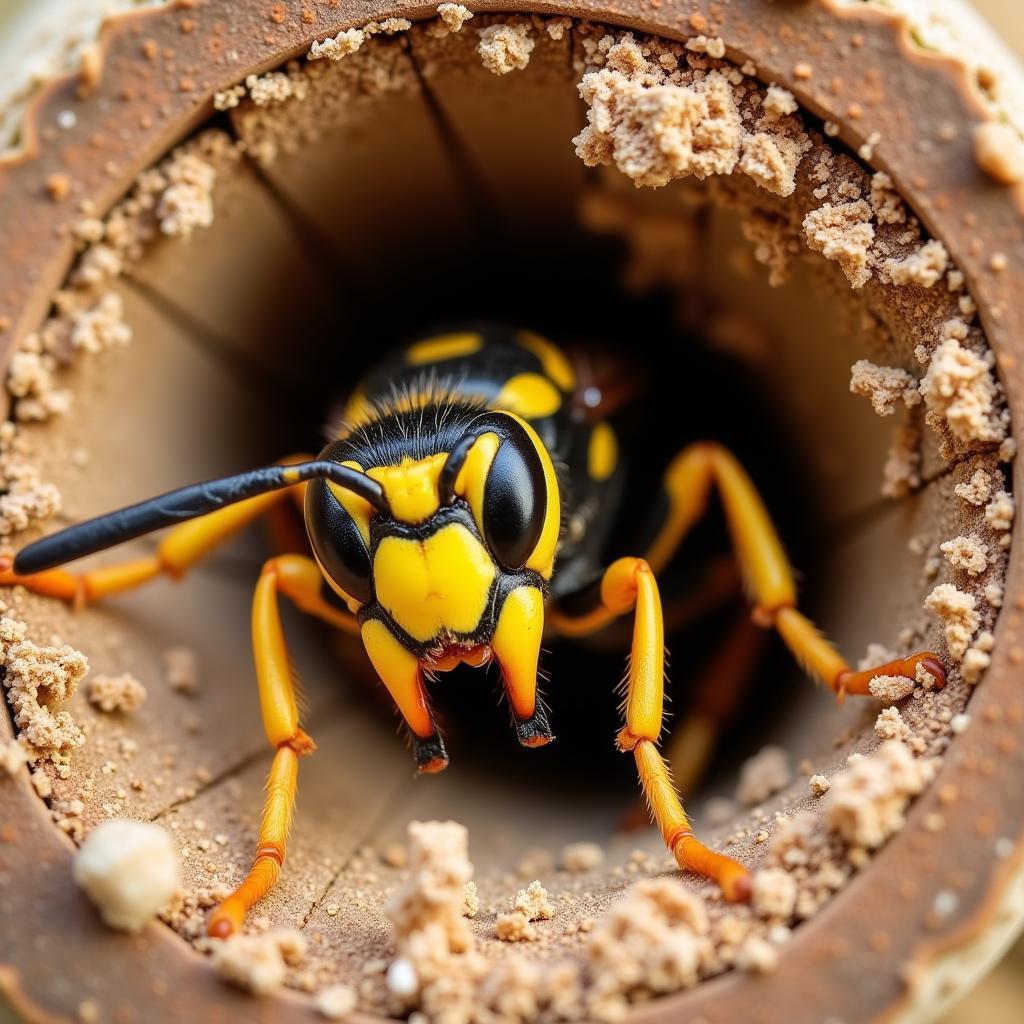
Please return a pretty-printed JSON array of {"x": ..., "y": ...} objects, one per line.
[
  {"x": 662, "y": 113},
  {"x": 38, "y": 680},
  {"x": 116, "y": 693}
]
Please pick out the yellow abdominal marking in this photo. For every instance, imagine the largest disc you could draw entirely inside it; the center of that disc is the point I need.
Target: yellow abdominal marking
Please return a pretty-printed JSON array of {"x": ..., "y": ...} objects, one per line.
[
  {"x": 445, "y": 346},
  {"x": 603, "y": 452},
  {"x": 528, "y": 395},
  {"x": 555, "y": 364},
  {"x": 412, "y": 487},
  {"x": 439, "y": 584}
]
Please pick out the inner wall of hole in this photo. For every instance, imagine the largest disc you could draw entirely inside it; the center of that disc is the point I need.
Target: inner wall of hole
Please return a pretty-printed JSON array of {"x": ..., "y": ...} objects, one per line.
[{"x": 428, "y": 211}]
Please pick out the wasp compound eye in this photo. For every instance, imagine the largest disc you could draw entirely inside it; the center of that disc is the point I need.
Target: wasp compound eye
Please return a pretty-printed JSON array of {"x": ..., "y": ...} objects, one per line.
[
  {"x": 515, "y": 499},
  {"x": 337, "y": 542}
]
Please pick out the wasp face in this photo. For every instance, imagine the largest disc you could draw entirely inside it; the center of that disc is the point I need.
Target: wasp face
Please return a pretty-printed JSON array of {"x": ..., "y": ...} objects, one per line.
[{"x": 455, "y": 569}]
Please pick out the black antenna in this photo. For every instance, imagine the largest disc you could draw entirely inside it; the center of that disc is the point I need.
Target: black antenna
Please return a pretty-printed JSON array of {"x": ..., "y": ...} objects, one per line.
[{"x": 183, "y": 504}]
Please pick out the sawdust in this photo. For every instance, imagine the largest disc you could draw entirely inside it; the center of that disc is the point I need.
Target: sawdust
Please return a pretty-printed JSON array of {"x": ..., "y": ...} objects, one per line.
[
  {"x": 844, "y": 233},
  {"x": 925, "y": 267},
  {"x": 968, "y": 553},
  {"x": 959, "y": 387},
  {"x": 658, "y": 114},
  {"x": 506, "y": 47},
  {"x": 116, "y": 693},
  {"x": 885, "y": 386},
  {"x": 258, "y": 963},
  {"x": 958, "y": 613},
  {"x": 867, "y": 801},
  {"x": 454, "y": 16},
  {"x": 129, "y": 869},
  {"x": 580, "y": 857},
  {"x": 767, "y": 772},
  {"x": 38, "y": 680}
]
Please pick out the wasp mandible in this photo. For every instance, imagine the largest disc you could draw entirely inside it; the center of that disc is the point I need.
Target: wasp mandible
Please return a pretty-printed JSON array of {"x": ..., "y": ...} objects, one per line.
[{"x": 460, "y": 511}]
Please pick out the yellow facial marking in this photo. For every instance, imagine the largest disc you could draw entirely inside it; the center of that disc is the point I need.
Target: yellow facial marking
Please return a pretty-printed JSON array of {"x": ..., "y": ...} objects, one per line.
[
  {"x": 358, "y": 508},
  {"x": 553, "y": 359},
  {"x": 411, "y": 488},
  {"x": 445, "y": 346},
  {"x": 441, "y": 583},
  {"x": 400, "y": 673},
  {"x": 543, "y": 558},
  {"x": 516, "y": 645},
  {"x": 603, "y": 453},
  {"x": 472, "y": 478},
  {"x": 528, "y": 395}
]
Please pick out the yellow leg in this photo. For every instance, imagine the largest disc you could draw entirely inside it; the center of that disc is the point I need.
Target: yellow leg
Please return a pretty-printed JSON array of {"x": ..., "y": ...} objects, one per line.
[
  {"x": 179, "y": 550},
  {"x": 629, "y": 583},
  {"x": 763, "y": 561},
  {"x": 281, "y": 723}
]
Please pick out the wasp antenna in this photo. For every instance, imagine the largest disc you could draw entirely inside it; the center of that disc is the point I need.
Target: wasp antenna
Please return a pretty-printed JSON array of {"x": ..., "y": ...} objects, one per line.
[
  {"x": 453, "y": 466},
  {"x": 186, "y": 503}
]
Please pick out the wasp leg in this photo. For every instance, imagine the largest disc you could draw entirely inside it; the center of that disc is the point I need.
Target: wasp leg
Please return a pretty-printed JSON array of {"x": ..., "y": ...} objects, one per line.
[
  {"x": 766, "y": 568},
  {"x": 717, "y": 694},
  {"x": 629, "y": 584},
  {"x": 279, "y": 708},
  {"x": 180, "y": 549},
  {"x": 299, "y": 578}
]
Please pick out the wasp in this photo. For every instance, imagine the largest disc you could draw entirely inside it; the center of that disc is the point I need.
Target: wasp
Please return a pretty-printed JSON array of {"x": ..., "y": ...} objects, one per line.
[{"x": 459, "y": 513}]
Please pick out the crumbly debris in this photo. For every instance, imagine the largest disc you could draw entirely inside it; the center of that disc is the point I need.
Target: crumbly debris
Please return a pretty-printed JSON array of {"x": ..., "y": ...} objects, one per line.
[
  {"x": 38, "y": 680},
  {"x": 228, "y": 99},
  {"x": 890, "y": 725},
  {"x": 454, "y": 16},
  {"x": 505, "y": 48},
  {"x": 116, "y": 693},
  {"x": 773, "y": 894},
  {"x": 470, "y": 900},
  {"x": 925, "y": 267},
  {"x": 843, "y": 232},
  {"x": 999, "y": 511},
  {"x": 885, "y": 386},
  {"x": 959, "y": 616},
  {"x": 977, "y": 490},
  {"x": 818, "y": 785},
  {"x": 25, "y": 499},
  {"x": 649, "y": 941},
  {"x": 181, "y": 670},
  {"x": 258, "y": 963},
  {"x": 901, "y": 473},
  {"x": 514, "y": 926},
  {"x": 762, "y": 775},
  {"x": 891, "y": 688},
  {"x": 960, "y": 388},
  {"x": 534, "y": 903},
  {"x": 968, "y": 553},
  {"x": 187, "y": 202},
  {"x": 275, "y": 87},
  {"x": 713, "y": 46},
  {"x": 339, "y": 46},
  {"x": 999, "y": 152},
  {"x": 578, "y": 857},
  {"x": 433, "y": 895},
  {"x": 757, "y": 955},
  {"x": 336, "y": 1002},
  {"x": 886, "y": 201},
  {"x": 13, "y": 757},
  {"x": 771, "y": 160},
  {"x": 129, "y": 870},
  {"x": 867, "y": 801},
  {"x": 779, "y": 102}
]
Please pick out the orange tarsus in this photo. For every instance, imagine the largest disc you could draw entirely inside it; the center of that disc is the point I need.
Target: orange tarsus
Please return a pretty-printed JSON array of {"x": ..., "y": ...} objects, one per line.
[{"x": 849, "y": 681}]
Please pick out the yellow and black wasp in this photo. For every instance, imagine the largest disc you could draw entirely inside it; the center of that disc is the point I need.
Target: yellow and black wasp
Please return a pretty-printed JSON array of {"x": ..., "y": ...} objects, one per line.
[{"x": 459, "y": 513}]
